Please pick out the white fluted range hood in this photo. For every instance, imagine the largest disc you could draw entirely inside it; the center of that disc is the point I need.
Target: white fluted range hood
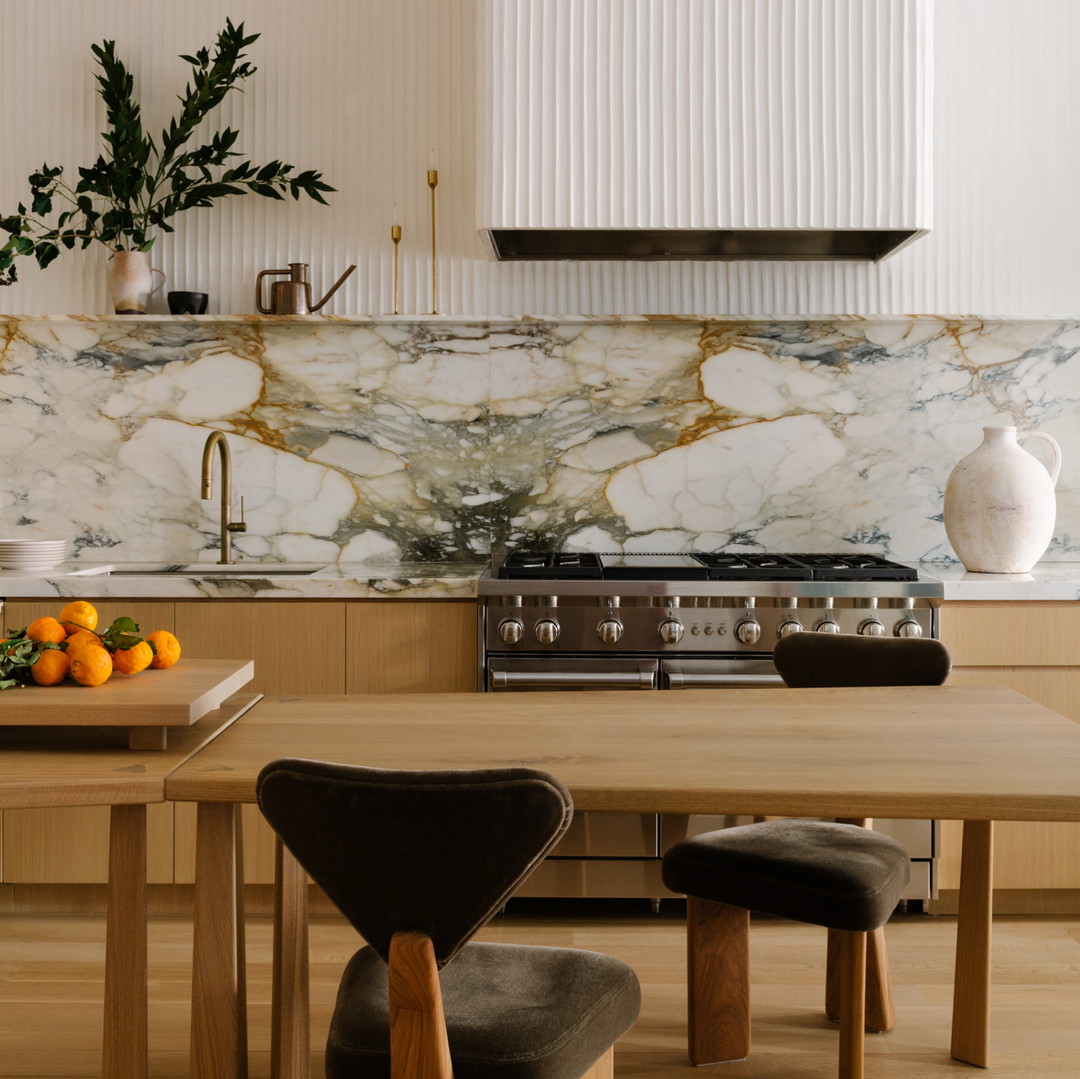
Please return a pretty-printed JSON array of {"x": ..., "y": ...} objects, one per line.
[{"x": 704, "y": 129}]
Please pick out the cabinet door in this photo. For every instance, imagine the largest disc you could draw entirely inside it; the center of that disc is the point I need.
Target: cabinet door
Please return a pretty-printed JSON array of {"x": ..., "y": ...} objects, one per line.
[
  {"x": 298, "y": 647},
  {"x": 71, "y": 846},
  {"x": 402, "y": 646},
  {"x": 1033, "y": 648}
]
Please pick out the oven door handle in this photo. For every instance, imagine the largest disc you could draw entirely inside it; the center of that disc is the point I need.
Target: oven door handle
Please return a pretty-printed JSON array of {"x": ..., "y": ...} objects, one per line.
[
  {"x": 644, "y": 678},
  {"x": 677, "y": 679}
]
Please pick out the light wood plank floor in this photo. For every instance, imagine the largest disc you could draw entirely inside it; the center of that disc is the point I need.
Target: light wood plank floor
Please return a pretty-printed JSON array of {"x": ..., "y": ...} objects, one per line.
[{"x": 50, "y": 993}]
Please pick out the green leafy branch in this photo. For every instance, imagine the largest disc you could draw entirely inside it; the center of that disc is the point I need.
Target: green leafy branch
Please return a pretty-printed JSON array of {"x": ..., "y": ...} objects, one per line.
[{"x": 134, "y": 189}]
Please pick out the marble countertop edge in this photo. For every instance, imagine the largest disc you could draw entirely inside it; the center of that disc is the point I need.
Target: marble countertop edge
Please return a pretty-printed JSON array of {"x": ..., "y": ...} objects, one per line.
[
  {"x": 1048, "y": 581},
  {"x": 494, "y": 319}
]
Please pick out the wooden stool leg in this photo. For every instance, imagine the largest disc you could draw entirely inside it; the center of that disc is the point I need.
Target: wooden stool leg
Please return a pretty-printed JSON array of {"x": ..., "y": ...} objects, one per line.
[
  {"x": 852, "y": 1004},
  {"x": 718, "y": 981},
  {"x": 880, "y": 1006}
]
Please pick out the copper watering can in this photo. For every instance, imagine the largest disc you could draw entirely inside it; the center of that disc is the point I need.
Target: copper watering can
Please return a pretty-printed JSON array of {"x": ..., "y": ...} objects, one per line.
[{"x": 293, "y": 297}]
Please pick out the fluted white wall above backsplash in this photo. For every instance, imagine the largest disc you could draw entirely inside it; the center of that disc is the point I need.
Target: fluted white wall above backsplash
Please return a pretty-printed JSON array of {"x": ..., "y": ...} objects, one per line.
[{"x": 375, "y": 93}]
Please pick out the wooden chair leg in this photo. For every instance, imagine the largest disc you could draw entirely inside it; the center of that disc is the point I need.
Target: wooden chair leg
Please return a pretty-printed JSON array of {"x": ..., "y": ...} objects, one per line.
[
  {"x": 718, "y": 981},
  {"x": 880, "y": 1009},
  {"x": 852, "y": 1004},
  {"x": 604, "y": 1068},
  {"x": 880, "y": 1006},
  {"x": 418, "y": 1044}
]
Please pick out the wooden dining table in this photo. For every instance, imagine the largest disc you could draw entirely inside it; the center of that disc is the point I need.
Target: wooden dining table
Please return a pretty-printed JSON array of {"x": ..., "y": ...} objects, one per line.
[{"x": 976, "y": 754}]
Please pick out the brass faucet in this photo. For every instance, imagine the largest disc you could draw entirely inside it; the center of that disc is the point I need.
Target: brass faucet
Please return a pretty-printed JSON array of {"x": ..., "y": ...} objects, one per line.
[{"x": 228, "y": 526}]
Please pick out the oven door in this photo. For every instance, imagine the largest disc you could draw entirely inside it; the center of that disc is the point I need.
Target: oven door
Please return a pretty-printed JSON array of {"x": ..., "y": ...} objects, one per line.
[
  {"x": 722, "y": 672},
  {"x": 570, "y": 672}
]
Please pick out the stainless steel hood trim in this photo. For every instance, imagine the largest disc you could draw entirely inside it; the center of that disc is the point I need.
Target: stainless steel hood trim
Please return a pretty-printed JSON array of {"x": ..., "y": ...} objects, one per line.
[{"x": 707, "y": 245}]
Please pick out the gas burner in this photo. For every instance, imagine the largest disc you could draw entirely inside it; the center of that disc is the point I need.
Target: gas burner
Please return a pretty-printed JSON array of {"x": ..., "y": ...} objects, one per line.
[
  {"x": 728, "y": 566},
  {"x": 855, "y": 567},
  {"x": 550, "y": 566}
]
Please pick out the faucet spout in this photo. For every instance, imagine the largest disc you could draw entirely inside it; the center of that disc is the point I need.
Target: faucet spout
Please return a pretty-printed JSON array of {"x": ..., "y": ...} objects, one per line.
[{"x": 228, "y": 526}]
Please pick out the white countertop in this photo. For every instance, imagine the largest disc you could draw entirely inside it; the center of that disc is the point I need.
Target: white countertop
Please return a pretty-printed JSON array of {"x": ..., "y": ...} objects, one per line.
[
  {"x": 1058, "y": 581},
  {"x": 1047, "y": 581},
  {"x": 114, "y": 580}
]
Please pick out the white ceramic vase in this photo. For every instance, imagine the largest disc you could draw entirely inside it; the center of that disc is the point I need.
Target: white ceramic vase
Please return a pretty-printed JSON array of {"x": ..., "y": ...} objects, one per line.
[
  {"x": 131, "y": 282},
  {"x": 1000, "y": 506}
]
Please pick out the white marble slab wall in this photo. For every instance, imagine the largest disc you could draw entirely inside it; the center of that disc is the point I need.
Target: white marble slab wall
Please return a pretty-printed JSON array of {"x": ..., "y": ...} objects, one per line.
[{"x": 435, "y": 439}]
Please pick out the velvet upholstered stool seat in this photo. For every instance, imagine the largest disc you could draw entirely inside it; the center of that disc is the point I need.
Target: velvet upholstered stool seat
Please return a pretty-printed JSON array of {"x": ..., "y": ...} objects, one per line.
[
  {"x": 841, "y": 876},
  {"x": 419, "y": 862}
]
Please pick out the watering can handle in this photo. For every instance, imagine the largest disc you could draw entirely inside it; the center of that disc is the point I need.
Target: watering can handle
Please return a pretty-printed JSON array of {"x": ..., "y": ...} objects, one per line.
[
  {"x": 337, "y": 284},
  {"x": 258, "y": 289},
  {"x": 1054, "y": 468}
]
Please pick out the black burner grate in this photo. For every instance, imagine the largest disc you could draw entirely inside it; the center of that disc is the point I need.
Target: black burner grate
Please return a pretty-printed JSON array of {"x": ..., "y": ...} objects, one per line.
[
  {"x": 855, "y": 567},
  {"x": 725, "y": 566},
  {"x": 550, "y": 566},
  {"x": 715, "y": 566}
]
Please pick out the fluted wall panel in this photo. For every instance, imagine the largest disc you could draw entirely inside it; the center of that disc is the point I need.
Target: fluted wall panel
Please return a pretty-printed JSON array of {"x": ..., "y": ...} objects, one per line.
[
  {"x": 719, "y": 114},
  {"x": 376, "y": 93}
]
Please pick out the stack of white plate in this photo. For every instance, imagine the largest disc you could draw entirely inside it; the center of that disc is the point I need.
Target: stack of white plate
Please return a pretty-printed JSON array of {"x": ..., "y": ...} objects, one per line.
[{"x": 29, "y": 555}]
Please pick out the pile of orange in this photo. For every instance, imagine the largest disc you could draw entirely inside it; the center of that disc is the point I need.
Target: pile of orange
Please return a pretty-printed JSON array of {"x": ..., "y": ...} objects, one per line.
[{"x": 73, "y": 648}]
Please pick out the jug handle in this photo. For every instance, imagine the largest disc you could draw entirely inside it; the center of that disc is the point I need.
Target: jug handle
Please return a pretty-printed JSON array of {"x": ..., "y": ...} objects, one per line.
[
  {"x": 337, "y": 284},
  {"x": 258, "y": 289},
  {"x": 158, "y": 287},
  {"x": 1054, "y": 467}
]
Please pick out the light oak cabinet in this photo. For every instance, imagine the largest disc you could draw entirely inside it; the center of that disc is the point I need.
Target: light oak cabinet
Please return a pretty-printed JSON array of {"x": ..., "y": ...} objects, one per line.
[
  {"x": 1033, "y": 648},
  {"x": 299, "y": 647}
]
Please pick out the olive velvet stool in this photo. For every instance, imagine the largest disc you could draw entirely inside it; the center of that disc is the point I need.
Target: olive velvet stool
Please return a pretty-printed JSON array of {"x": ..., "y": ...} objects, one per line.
[
  {"x": 840, "y": 876},
  {"x": 822, "y": 660},
  {"x": 418, "y": 862}
]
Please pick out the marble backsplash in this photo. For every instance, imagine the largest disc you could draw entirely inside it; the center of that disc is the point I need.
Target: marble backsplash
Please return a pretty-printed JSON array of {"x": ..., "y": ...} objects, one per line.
[{"x": 431, "y": 439}]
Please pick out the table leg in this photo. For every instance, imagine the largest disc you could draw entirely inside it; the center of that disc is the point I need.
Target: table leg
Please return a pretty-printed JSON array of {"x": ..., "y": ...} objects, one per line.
[
  {"x": 971, "y": 982},
  {"x": 290, "y": 1038},
  {"x": 124, "y": 1048},
  {"x": 218, "y": 992}
]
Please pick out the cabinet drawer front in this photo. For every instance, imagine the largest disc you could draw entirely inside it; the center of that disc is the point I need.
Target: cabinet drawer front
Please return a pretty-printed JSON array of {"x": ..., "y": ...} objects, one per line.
[{"x": 1011, "y": 635}]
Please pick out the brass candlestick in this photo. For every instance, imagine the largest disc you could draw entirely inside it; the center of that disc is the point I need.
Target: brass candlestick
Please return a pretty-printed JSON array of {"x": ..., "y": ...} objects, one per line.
[
  {"x": 433, "y": 182},
  {"x": 395, "y": 236}
]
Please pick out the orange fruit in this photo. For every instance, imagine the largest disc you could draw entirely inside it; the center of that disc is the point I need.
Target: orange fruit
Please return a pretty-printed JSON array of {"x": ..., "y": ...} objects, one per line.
[
  {"x": 166, "y": 648},
  {"x": 82, "y": 637},
  {"x": 51, "y": 667},
  {"x": 78, "y": 613},
  {"x": 46, "y": 629},
  {"x": 134, "y": 659},
  {"x": 91, "y": 665}
]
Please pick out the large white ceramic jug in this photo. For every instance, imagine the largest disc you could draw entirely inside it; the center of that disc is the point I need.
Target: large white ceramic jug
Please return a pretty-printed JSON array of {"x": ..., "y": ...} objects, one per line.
[{"x": 1000, "y": 506}]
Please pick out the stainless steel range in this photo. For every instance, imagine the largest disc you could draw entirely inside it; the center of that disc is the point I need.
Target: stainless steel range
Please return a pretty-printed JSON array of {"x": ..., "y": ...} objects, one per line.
[{"x": 583, "y": 621}]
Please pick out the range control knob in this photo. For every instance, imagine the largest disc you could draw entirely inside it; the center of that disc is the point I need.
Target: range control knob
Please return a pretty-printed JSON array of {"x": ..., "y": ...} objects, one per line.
[
  {"x": 511, "y": 630},
  {"x": 546, "y": 630},
  {"x": 871, "y": 627},
  {"x": 786, "y": 629},
  {"x": 610, "y": 631},
  {"x": 670, "y": 631},
  {"x": 748, "y": 631},
  {"x": 908, "y": 627},
  {"x": 827, "y": 625}
]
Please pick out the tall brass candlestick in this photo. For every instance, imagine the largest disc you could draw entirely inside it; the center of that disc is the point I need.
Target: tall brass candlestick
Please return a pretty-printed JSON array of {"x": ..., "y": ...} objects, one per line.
[
  {"x": 433, "y": 182},
  {"x": 395, "y": 235}
]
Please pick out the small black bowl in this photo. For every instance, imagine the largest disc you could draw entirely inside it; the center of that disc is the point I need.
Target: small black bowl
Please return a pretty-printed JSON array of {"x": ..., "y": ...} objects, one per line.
[{"x": 188, "y": 303}]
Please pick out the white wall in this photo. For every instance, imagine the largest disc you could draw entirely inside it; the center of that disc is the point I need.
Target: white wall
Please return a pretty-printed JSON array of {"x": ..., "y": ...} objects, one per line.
[{"x": 374, "y": 93}]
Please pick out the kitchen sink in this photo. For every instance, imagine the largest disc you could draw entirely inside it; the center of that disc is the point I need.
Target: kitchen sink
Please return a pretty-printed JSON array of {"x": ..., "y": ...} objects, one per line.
[{"x": 212, "y": 569}]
